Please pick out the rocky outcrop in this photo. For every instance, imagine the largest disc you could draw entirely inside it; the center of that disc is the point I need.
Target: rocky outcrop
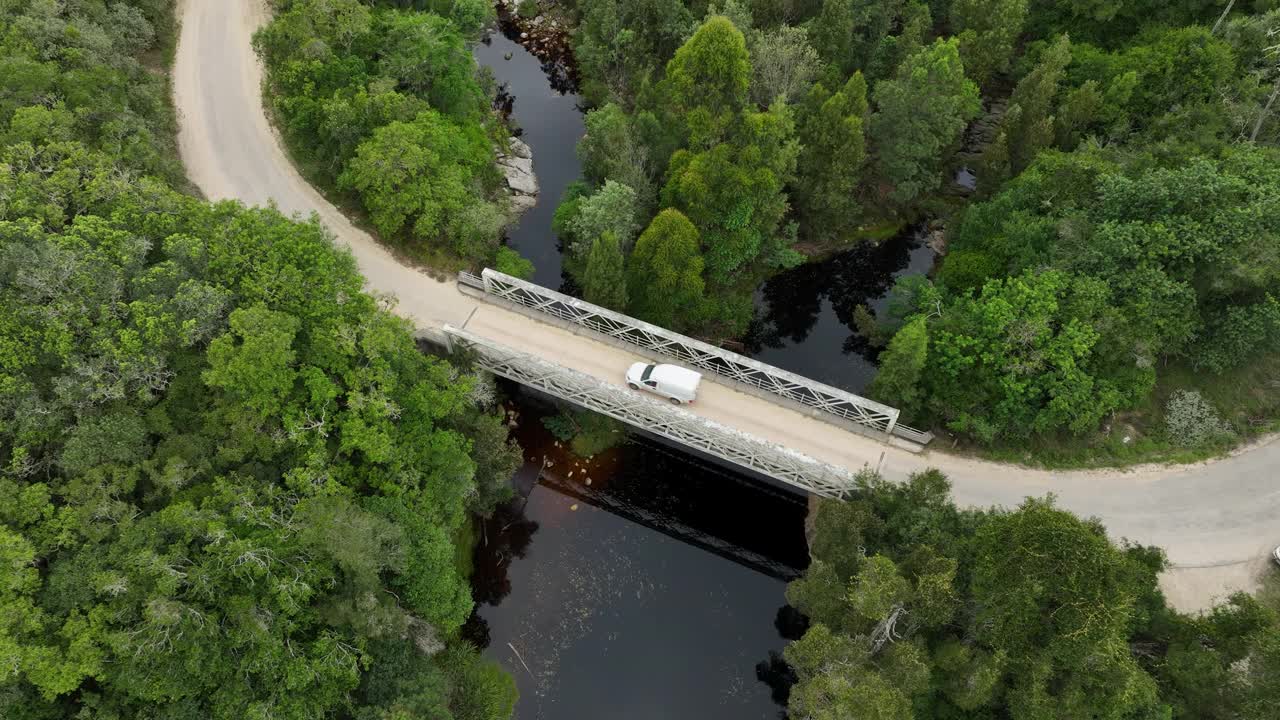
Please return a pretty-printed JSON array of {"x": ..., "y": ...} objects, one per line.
[
  {"x": 517, "y": 167},
  {"x": 547, "y": 36}
]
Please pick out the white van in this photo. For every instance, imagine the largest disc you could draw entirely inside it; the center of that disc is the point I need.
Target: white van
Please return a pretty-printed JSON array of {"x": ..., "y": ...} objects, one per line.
[{"x": 672, "y": 382}]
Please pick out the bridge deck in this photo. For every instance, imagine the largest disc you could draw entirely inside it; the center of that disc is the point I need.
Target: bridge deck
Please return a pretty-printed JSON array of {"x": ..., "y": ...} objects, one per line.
[{"x": 716, "y": 401}]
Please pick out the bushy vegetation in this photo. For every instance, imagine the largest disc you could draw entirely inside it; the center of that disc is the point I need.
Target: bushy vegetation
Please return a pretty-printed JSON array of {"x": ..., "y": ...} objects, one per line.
[
  {"x": 230, "y": 485},
  {"x": 921, "y": 610},
  {"x": 387, "y": 103},
  {"x": 75, "y": 81},
  {"x": 755, "y": 134},
  {"x": 1125, "y": 219}
]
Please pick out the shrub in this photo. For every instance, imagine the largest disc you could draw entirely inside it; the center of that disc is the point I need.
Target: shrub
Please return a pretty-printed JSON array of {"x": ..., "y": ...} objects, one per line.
[
  {"x": 513, "y": 263},
  {"x": 528, "y": 9},
  {"x": 1191, "y": 421},
  {"x": 587, "y": 433}
]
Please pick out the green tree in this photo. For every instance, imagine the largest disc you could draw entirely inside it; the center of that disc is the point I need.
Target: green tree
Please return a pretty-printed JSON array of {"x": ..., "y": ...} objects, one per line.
[
  {"x": 919, "y": 117},
  {"x": 1209, "y": 278},
  {"x": 1028, "y": 124},
  {"x": 424, "y": 176},
  {"x": 988, "y": 32},
  {"x": 605, "y": 281},
  {"x": 849, "y": 693},
  {"x": 226, "y": 482},
  {"x": 619, "y": 43},
  {"x": 611, "y": 209},
  {"x": 848, "y": 33},
  {"x": 735, "y": 194},
  {"x": 258, "y": 369},
  {"x": 611, "y": 149},
  {"x": 830, "y": 170},
  {"x": 898, "y": 381},
  {"x": 833, "y": 35},
  {"x": 426, "y": 55},
  {"x": 710, "y": 72},
  {"x": 1018, "y": 358},
  {"x": 1056, "y": 600},
  {"x": 783, "y": 65},
  {"x": 350, "y": 84},
  {"x": 920, "y": 609},
  {"x": 664, "y": 272}
]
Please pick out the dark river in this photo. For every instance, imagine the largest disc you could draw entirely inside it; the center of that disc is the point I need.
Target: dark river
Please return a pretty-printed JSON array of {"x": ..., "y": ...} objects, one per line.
[
  {"x": 653, "y": 591},
  {"x": 804, "y": 317},
  {"x": 551, "y": 123}
]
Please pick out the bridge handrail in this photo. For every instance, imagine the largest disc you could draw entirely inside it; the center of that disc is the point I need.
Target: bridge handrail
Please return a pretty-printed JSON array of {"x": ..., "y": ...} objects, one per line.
[
  {"x": 656, "y": 417},
  {"x": 728, "y": 364}
]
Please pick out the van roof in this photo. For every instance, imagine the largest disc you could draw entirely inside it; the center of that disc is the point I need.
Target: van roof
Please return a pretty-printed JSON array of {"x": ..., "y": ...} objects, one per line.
[{"x": 677, "y": 375}]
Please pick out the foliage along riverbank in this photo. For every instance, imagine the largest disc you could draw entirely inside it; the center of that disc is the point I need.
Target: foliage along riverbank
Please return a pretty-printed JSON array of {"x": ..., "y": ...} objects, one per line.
[
  {"x": 231, "y": 485},
  {"x": 922, "y": 610},
  {"x": 385, "y": 108}
]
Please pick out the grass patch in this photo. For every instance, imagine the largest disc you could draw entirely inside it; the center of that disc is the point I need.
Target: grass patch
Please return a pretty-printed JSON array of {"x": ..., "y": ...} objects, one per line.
[{"x": 1248, "y": 399}]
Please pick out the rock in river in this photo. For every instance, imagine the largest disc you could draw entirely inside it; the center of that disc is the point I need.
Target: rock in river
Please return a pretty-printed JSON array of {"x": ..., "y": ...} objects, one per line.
[{"x": 517, "y": 167}]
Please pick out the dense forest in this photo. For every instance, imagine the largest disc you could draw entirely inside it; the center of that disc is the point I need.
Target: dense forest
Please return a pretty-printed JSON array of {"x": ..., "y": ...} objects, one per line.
[
  {"x": 231, "y": 486},
  {"x": 921, "y": 610}
]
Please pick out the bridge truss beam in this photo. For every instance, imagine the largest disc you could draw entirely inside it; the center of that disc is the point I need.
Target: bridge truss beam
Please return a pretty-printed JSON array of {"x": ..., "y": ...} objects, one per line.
[
  {"x": 857, "y": 411},
  {"x": 658, "y": 418}
]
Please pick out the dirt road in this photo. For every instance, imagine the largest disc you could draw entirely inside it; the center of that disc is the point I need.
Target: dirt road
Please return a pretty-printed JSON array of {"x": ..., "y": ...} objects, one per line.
[{"x": 1216, "y": 520}]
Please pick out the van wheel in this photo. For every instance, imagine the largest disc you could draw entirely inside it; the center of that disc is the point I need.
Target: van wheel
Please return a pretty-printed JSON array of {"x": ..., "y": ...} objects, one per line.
[
  {"x": 633, "y": 386},
  {"x": 675, "y": 401}
]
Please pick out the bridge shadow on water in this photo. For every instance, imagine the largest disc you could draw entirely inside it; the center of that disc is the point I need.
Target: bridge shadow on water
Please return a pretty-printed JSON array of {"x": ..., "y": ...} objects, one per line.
[{"x": 639, "y": 583}]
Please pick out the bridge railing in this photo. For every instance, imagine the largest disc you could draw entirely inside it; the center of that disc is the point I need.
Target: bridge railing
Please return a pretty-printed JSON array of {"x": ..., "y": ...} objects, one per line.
[
  {"x": 656, "y": 417},
  {"x": 827, "y": 399}
]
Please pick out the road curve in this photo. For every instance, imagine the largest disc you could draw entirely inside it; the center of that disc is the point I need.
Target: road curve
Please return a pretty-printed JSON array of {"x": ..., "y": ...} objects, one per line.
[{"x": 1217, "y": 520}]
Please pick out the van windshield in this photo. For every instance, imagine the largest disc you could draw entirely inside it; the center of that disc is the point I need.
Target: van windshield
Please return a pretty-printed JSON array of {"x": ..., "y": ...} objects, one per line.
[{"x": 647, "y": 372}]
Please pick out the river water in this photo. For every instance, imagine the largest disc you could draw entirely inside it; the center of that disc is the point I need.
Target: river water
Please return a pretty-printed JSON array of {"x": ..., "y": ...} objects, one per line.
[
  {"x": 551, "y": 122},
  {"x": 804, "y": 317},
  {"x": 656, "y": 590}
]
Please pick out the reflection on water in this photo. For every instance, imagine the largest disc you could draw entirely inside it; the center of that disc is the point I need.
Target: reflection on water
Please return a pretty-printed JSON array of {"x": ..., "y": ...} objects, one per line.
[
  {"x": 637, "y": 594},
  {"x": 551, "y": 123},
  {"x": 804, "y": 317}
]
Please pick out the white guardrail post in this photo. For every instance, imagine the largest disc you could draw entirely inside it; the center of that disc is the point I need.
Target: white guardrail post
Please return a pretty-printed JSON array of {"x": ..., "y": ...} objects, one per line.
[
  {"x": 725, "y": 363},
  {"x": 656, "y": 417}
]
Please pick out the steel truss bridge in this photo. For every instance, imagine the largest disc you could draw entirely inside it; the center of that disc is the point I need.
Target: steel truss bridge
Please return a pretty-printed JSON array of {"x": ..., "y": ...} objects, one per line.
[{"x": 674, "y": 423}]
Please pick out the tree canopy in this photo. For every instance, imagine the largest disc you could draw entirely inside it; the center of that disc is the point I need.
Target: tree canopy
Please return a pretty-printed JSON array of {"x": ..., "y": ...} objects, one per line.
[
  {"x": 387, "y": 104},
  {"x": 921, "y": 610},
  {"x": 230, "y": 483}
]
